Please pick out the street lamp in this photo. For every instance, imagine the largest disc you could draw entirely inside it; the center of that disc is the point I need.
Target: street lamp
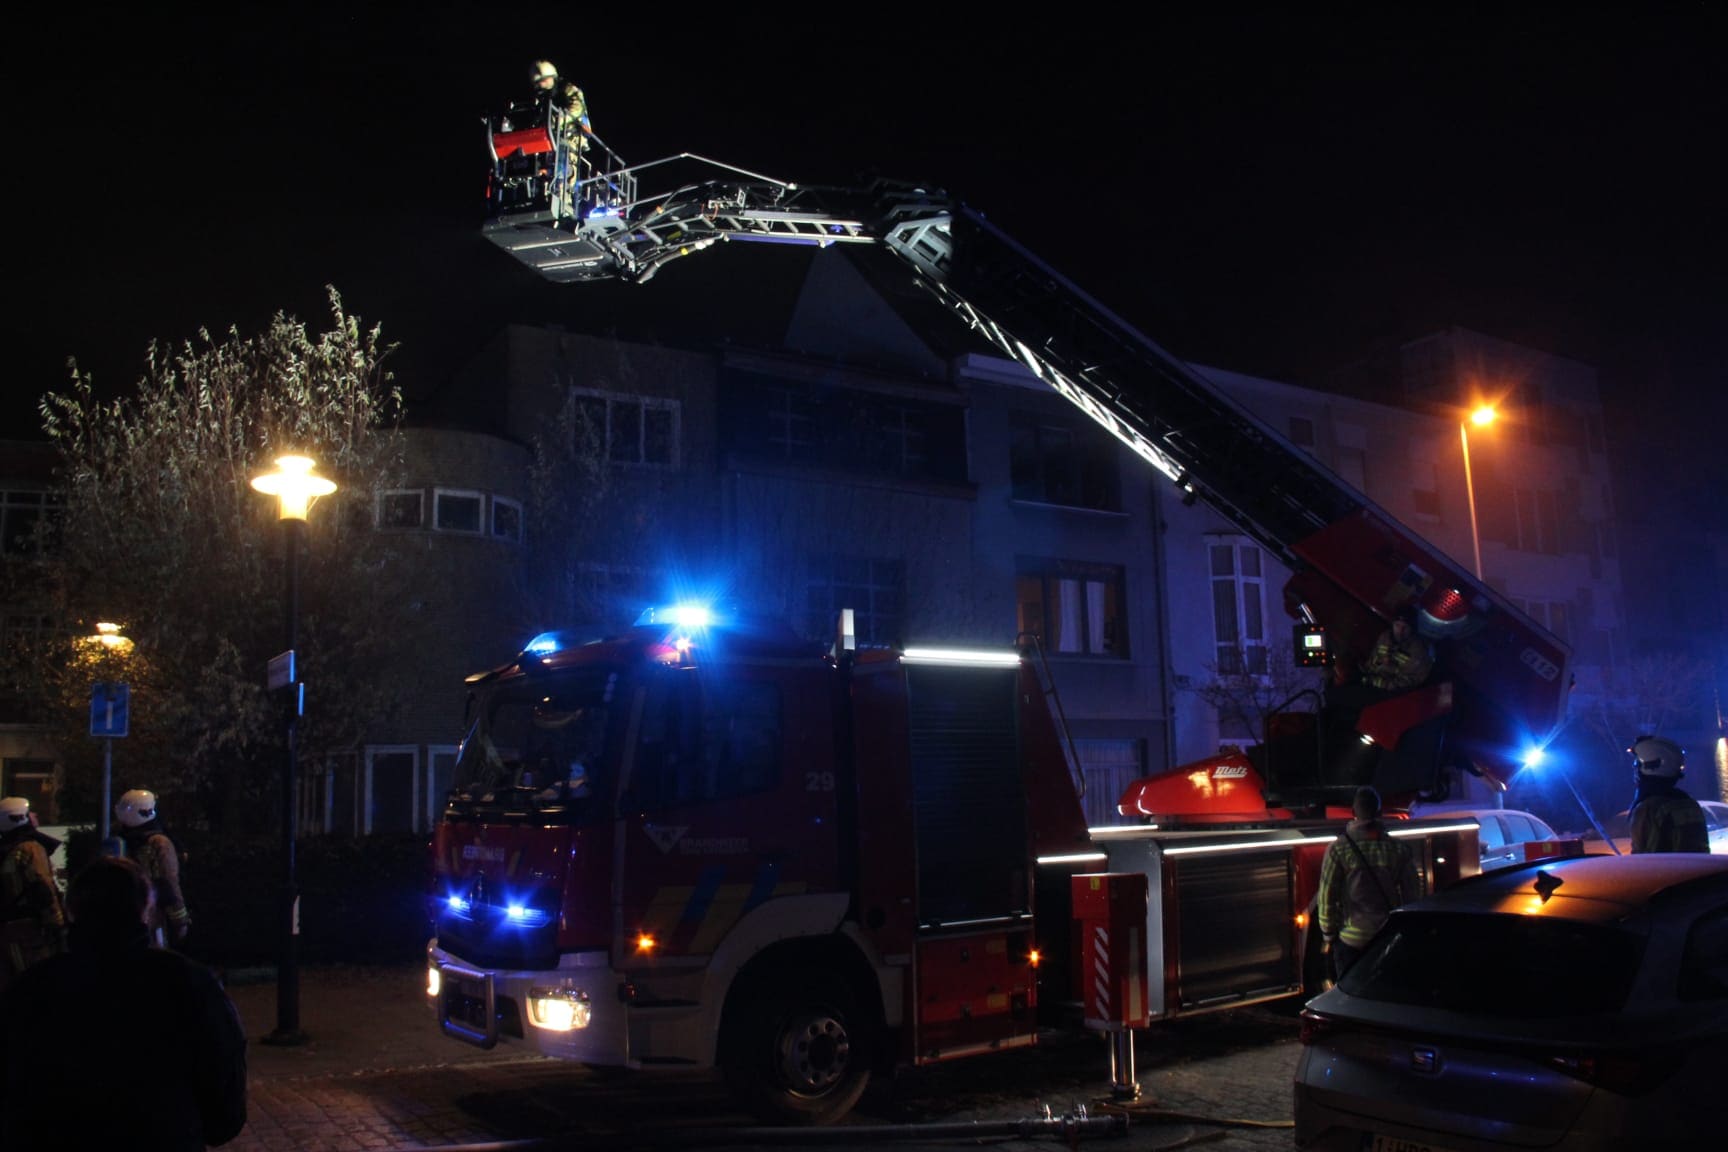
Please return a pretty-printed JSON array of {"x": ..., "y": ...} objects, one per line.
[
  {"x": 1481, "y": 417},
  {"x": 103, "y": 702},
  {"x": 295, "y": 487}
]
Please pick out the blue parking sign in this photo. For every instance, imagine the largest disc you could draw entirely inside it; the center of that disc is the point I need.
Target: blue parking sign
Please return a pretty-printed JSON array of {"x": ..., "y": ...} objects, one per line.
[{"x": 108, "y": 709}]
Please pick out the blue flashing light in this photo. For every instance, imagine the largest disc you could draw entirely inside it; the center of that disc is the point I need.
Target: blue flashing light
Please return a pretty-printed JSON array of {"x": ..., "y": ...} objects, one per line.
[
  {"x": 514, "y": 915},
  {"x": 690, "y": 614},
  {"x": 544, "y": 644},
  {"x": 1534, "y": 757}
]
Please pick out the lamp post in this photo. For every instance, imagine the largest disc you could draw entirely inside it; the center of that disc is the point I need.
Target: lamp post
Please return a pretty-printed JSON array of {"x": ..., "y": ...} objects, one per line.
[
  {"x": 102, "y": 720},
  {"x": 294, "y": 487},
  {"x": 1481, "y": 417}
]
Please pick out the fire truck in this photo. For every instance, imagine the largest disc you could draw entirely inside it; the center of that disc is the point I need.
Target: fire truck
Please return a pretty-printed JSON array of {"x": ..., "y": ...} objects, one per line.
[{"x": 701, "y": 842}]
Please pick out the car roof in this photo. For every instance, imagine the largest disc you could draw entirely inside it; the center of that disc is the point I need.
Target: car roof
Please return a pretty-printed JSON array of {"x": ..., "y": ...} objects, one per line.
[
  {"x": 1473, "y": 813},
  {"x": 1591, "y": 888}
]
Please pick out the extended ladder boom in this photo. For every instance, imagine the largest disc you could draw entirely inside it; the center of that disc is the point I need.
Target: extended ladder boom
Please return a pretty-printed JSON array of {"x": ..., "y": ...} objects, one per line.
[{"x": 1355, "y": 565}]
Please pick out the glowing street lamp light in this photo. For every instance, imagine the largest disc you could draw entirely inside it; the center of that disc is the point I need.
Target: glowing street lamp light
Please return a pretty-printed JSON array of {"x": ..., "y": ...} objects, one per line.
[
  {"x": 295, "y": 487},
  {"x": 1481, "y": 417}
]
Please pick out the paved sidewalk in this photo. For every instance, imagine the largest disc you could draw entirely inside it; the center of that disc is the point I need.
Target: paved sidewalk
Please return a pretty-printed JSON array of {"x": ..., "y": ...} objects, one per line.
[{"x": 376, "y": 1074}]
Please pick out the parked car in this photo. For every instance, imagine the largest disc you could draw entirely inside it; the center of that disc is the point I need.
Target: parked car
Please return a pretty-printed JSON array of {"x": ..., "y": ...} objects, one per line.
[
  {"x": 1716, "y": 816},
  {"x": 1619, "y": 828},
  {"x": 1502, "y": 832},
  {"x": 1569, "y": 1004}
]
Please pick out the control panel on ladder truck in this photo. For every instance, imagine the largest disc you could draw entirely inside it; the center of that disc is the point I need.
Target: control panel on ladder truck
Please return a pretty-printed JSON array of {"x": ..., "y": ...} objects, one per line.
[{"x": 700, "y": 844}]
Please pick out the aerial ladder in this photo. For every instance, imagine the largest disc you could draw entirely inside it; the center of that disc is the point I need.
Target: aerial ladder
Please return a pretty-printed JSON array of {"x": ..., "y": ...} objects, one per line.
[{"x": 1500, "y": 689}]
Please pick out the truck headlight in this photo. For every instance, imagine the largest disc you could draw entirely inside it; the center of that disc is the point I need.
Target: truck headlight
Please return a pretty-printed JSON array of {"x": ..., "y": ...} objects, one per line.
[
  {"x": 558, "y": 1009},
  {"x": 433, "y": 981}
]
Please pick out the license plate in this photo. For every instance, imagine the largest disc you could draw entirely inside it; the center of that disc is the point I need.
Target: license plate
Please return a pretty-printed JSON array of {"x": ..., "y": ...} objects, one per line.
[{"x": 1380, "y": 1142}]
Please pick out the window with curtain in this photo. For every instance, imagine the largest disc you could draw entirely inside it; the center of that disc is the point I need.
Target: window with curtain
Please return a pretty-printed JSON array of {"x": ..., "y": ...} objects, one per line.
[{"x": 1075, "y": 608}]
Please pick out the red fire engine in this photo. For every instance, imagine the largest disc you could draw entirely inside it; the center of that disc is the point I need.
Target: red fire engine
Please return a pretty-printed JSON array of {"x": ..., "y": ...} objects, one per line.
[{"x": 702, "y": 844}]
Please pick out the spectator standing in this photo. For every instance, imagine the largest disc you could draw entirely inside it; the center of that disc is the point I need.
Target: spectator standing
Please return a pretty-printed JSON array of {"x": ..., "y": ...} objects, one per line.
[
  {"x": 1363, "y": 877},
  {"x": 147, "y": 841},
  {"x": 32, "y": 919},
  {"x": 1664, "y": 818},
  {"x": 115, "y": 1044}
]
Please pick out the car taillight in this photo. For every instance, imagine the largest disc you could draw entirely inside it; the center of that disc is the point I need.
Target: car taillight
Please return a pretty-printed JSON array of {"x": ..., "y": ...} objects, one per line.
[
  {"x": 1624, "y": 1073},
  {"x": 1313, "y": 1026}
]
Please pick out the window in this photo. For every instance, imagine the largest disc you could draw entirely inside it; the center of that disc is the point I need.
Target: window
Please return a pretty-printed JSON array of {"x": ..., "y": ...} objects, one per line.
[
  {"x": 1538, "y": 520},
  {"x": 818, "y": 425},
  {"x": 506, "y": 519},
  {"x": 873, "y": 588},
  {"x": 1053, "y": 462},
  {"x": 1490, "y": 833},
  {"x": 1425, "y": 494},
  {"x": 1514, "y": 967},
  {"x": 33, "y": 780},
  {"x": 791, "y": 423},
  {"x": 702, "y": 742},
  {"x": 1074, "y": 608},
  {"x": 905, "y": 437},
  {"x": 1109, "y": 766},
  {"x": 456, "y": 511},
  {"x": 338, "y": 795},
  {"x": 1301, "y": 431},
  {"x": 638, "y": 430},
  {"x": 25, "y": 517},
  {"x": 1238, "y": 606},
  {"x": 403, "y": 508},
  {"x": 441, "y": 778},
  {"x": 392, "y": 790},
  {"x": 609, "y": 592},
  {"x": 1554, "y": 615}
]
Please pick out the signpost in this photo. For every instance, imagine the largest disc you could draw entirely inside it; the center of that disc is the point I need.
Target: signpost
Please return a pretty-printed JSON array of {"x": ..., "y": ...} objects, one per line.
[{"x": 110, "y": 717}]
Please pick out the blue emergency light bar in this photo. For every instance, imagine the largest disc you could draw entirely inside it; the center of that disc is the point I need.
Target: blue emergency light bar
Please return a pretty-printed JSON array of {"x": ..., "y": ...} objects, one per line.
[{"x": 685, "y": 615}]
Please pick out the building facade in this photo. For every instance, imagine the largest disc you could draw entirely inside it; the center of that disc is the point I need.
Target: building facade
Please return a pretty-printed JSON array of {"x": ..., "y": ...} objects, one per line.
[{"x": 864, "y": 456}]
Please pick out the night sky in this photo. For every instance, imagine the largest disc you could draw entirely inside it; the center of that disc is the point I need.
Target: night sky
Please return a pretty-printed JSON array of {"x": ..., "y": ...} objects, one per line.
[{"x": 1267, "y": 191}]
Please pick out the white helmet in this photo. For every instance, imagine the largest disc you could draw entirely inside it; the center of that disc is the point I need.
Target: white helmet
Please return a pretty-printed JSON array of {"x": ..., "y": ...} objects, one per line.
[
  {"x": 136, "y": 807},
  {"x": 1658, "y": 757},
  {"x": 14, "y": 813}
]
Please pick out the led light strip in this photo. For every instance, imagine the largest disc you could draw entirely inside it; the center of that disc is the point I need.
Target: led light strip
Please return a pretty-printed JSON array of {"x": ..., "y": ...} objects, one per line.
[{"x": 960, "y": 656}]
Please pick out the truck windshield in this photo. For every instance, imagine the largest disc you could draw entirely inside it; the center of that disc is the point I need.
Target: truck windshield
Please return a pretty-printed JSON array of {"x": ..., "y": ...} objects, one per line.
[{"x": 541, "y": 742}]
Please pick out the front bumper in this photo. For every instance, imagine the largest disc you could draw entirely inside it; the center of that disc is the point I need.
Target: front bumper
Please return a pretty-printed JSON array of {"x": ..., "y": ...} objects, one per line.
[{"x": 483, "y": 1006}]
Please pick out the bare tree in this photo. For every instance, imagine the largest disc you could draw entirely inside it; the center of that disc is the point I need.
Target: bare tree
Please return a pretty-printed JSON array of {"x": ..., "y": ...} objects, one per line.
[{"x": 1243, "y": 699}]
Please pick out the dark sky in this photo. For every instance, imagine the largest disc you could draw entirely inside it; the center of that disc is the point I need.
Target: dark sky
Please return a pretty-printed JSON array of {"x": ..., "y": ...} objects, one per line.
[{"x": 1266, "y": 190}]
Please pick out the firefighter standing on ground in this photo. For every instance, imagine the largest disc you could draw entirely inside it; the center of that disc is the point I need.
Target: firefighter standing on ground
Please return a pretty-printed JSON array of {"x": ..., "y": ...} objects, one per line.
[
  {"x": 1365, "y": 874},
  {"x": 148, "y": 843},
  {"x": 32, "y": 918},
  {"x": 1664, "y": 819}
]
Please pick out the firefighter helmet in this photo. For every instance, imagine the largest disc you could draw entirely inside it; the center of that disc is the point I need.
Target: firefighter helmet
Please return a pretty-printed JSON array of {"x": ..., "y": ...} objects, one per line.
[
  {"x": 1658, "y": 757},
  {"x": 14, "y": 813},
  {"x": 544, "y": 71},
  {"x": 136, "y": 807}
]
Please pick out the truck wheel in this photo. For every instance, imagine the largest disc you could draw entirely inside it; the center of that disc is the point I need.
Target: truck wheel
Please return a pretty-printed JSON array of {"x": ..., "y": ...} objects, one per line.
[{"x": 800, "y": 1051}]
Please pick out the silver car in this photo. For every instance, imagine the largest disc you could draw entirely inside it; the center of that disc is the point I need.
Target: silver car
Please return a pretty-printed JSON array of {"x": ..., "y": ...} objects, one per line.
[{"x": 1574, "y": 1004}]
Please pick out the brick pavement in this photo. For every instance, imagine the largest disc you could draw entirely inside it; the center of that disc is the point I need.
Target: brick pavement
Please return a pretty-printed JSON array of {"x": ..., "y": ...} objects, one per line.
[{"x": 375, "y": 1074}]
